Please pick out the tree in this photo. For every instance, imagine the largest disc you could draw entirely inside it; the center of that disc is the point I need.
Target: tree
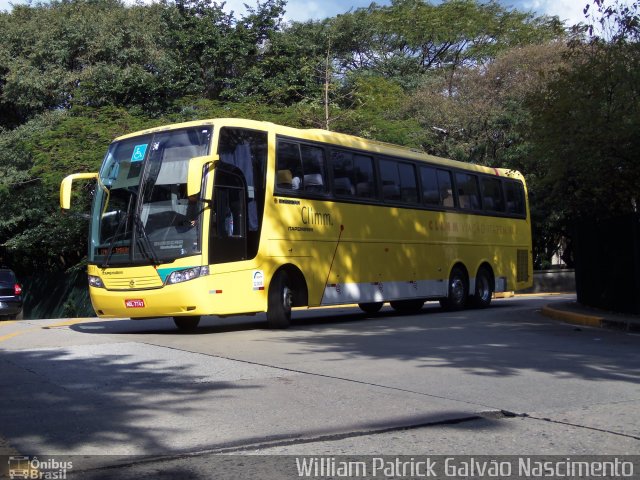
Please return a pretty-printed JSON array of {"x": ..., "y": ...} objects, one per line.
[
  {"x": 586, "y": 122},
  {"x": 412, "y": 37}
]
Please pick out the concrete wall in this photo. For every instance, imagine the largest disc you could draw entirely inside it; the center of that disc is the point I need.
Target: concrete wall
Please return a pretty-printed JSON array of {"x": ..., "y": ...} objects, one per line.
[{"x": 553, "y": 281}]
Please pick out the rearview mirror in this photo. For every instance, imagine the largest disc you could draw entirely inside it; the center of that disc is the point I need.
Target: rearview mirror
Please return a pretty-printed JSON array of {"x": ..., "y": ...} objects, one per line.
[
  {"x": 194, "y": 174},
  {"x": 65, "y": 187}
]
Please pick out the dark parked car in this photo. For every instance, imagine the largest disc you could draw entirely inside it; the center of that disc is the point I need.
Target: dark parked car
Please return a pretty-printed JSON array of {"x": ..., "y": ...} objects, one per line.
[{"x": 10, "y": 295}]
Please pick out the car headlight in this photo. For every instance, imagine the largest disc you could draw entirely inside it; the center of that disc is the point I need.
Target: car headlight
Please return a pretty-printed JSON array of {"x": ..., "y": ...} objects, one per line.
[
  {"x": 180, "y": 276},
  {"x": 95, "y": 282}
]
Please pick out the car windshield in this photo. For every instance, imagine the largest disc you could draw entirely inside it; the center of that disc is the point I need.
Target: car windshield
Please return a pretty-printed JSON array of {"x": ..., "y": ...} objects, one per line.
[
  {"x": 6, "y": 276},
  {"x": 141, "y": 212}
]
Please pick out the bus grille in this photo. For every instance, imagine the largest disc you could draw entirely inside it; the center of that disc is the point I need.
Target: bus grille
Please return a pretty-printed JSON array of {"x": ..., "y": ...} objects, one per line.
[
  {"x": 523, "y": 266},
  {"x": 132, "y": 283}
]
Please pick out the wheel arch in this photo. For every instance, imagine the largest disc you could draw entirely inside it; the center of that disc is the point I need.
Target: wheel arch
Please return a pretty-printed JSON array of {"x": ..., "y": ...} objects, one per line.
[
  {"x": 459, "y": 264},
  {"x": 485, "y": 265},
  {"x": 300, "y": 289}
]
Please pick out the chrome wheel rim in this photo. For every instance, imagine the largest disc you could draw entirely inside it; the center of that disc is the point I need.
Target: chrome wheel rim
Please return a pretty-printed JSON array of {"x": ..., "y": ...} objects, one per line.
[
  {"x": 457, "y": 290},
  {"x": 483, "y": 288},
  {"x": 287, "y": 298}
]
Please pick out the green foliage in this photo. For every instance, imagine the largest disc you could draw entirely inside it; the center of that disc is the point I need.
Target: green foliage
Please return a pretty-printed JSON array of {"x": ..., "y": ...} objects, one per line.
[
  {"x": 483, "y": 117},
  {"x": 586, "y": 133},
  {"x": 79, "y": 52},
  {"x": 411, "y": 37}
]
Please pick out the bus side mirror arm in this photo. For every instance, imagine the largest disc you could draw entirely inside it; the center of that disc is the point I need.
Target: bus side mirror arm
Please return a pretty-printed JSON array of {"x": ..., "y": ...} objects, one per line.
[
  {"x": 65, "y": 187},
  {"x": 194, "y": 173}
]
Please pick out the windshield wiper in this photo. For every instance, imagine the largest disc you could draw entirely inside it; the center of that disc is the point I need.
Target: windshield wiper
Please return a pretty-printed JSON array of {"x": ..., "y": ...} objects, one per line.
[
  {"x": 123, "y": 221},
  {"x": 146, "y": 248}
]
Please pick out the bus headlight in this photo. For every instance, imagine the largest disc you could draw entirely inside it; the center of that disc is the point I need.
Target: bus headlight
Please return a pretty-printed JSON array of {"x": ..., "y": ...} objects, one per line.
[
  {"x": 180, "y": 276},
  {"x": 95, "y": 282}
]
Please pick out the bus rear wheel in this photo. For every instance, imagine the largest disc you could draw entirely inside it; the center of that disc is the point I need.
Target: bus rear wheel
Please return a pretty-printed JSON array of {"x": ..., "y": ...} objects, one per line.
[
  {"x": 186, "y": 324},
  {"x": 280, "y": 301},
  {"x": 458, "y": 290},
  {"x": 484, "y": 289},
  {"x": 373, "y": 307},
  {"x": 407, "y": 306}
]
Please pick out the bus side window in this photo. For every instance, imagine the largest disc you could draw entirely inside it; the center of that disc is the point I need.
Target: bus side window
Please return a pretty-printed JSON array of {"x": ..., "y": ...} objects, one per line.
[
  {"x": 468, "y": 194},
  {"x": 399, "y": 181},
  {"x": 363, "y": 176},
  {"x": 408, "y": 183},
  {"x": 492, "y": 197},
  {"x": 390, "y": 181},
  {"x": 342, "y": 168},
  {"x": 313, "y": 165},
  {"x": 430, "y": 191},
  {"x": 515, "y": 197},
  {"x": 288, "y": 167},
  {"x": 445, "y": 186}
]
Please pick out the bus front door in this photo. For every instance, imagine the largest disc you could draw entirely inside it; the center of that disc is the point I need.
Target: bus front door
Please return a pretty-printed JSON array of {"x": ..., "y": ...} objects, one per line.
[{"x": 228, "y": 233}]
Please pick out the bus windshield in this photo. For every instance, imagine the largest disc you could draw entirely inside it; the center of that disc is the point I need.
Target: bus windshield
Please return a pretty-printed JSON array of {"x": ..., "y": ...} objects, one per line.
[{"x": 141, "y": 213}]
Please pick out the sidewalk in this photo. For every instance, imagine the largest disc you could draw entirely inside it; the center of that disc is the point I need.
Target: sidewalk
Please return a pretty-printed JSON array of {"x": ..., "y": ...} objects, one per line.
[{"x": 577, "y": 314}]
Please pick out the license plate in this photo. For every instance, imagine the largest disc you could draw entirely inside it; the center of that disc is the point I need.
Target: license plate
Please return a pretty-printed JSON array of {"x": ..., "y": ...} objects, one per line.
[
  {"x": 3, "y": 305},
  {"x": 134, "y": 303}
]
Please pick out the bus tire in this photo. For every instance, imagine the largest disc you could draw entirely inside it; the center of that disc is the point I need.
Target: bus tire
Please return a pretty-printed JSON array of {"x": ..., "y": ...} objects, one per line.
[
  {"x": 186, "y": 324},
  {"x": 280, "y": 301},
  {"x": 484, "y": 289},
  {"x": 407, "y": 306},
  {"x": 458, "y": 290},
  {"x": 373, "y": 307}
]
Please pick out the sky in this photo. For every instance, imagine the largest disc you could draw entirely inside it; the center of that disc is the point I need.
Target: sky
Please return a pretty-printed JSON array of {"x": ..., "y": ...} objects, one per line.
[{"x": 300, "y": 10}]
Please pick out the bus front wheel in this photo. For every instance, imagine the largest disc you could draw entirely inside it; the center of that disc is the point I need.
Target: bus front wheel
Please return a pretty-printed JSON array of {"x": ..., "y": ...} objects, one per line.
[
  {"x": 280, "y": 301},
  {"x": 458, "y": 290},
  {"x": 373, "y": 307},
  {"x": 186, "y": 324}
]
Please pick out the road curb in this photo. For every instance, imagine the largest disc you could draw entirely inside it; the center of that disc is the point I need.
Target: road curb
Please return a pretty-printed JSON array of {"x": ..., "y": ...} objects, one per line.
[
  {"x": 615, "y": 322},
  {"x": 572, "y": 317}
]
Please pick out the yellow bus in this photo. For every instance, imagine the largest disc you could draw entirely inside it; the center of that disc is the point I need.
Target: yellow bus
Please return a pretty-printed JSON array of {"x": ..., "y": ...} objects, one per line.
[{"x": 232, "y": 217}]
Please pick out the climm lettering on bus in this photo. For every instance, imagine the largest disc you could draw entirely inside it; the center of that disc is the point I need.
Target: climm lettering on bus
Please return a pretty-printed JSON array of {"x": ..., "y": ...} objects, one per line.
[{"x": 309, "y": 217}]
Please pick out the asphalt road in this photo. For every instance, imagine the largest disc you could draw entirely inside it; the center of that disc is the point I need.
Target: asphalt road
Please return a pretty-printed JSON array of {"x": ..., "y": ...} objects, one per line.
[{"x": 140, "y": 394}]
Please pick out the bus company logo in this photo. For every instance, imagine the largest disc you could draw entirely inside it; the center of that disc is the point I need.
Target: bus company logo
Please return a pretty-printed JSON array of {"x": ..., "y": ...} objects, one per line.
[
  {"x": 32, "y": 468},
  {"x": 311, "y": 217}
]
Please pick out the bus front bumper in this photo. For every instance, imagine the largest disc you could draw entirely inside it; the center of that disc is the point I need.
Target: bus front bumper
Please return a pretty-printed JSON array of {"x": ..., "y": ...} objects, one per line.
[{"x": 182, "y": 299}]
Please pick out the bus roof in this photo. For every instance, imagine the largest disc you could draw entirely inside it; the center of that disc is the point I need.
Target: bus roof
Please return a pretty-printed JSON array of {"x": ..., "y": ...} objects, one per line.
[{"x": 333, "y": 138}]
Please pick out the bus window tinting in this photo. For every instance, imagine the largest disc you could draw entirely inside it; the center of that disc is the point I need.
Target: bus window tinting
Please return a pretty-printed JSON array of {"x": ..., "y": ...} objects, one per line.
[
  {"x": 398, "y": 182},
  {"x": 430, "y": 191},
  {"x": 353, "y": 175},
  {"x": 468, "y": 194},
  {"x": 300, "y": 168},
  {"x": 515, "y": 198},
  {"x": 492, "y": 198},
  {"x": 445, "y": 185},
  {"x": 436, "y": 187},
  {"x": 289, "y": 167},
  {"x": 313, "y": 166}
]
